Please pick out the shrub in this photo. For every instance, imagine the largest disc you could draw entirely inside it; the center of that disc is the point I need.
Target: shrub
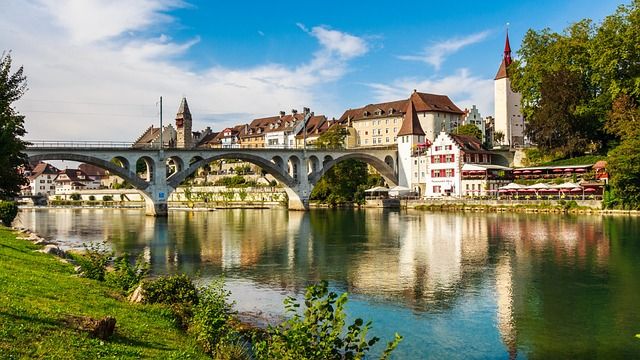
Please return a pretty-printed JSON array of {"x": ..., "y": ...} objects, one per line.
[
  {"x": 92, "y": 198},
  {"x": 107, "y": 198},
  {"x": 175, "y": 289},
  {"x": 93, "y": 263},
  {"x": 319, "y": 333},
  {"x": 75, "y": 197},
  {"x": 126, "y": 276},
  {"x": 210, "y": 323},
  {"x": 8, "y": 212}
]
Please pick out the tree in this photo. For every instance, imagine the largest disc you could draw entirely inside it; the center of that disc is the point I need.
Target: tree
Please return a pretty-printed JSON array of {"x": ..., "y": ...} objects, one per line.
[
  {"x": 470, "y": 130},
  {"x": 340, "y": 184},
  {"x": 498, "y": 137},
  {"x": 623, "y": 120},
  {"x": 12, "y": 157},
  {"x": 332, "y": 138},
  {"x": 562, "y": 122},
  {"x": 623, "y": 164}
]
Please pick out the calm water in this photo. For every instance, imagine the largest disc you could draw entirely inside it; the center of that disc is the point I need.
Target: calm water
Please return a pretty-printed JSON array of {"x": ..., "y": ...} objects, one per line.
[{"x": 454, "y": 285}]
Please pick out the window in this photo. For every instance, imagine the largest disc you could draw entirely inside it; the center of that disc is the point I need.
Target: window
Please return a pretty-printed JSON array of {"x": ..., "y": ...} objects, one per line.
[
  {"x": 386, "y": 121},
  {"x": 436, "y": 189},
  {"x": 415, "y": 174},
  {"x": 415, "y": 162},
  {"x": 387, "y": 139},
  {"x": 386, "y": 131},
  {"x": 395, "y": 130},
  {"x": 366, "y": 141},
  {"x": 438, "y": 148},
  {"x": 395, "y": 121},
  {"x": 448, "y": 147},
  {"x": 467, "y": 187},
  {"x": 41, "y": 181},
  {"x": 435, "y": 159}
]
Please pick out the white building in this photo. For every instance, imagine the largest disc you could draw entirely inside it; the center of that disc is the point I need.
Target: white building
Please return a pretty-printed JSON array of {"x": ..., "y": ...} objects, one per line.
[
  {"x": 41, "y": 180},
  {"x": 508, "y": 117},
  {"x": 447, "y": 156},
  {"x": 74, "y": 180}
]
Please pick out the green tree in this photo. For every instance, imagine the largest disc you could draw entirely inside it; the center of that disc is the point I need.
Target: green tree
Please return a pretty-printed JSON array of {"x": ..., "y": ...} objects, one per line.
[
  {"x": 623, "y": 164},
  {"x": 340, "y": 183},
  {"x": 562, "y": 122},
  {"x": 623, "y": 121},
  {"x": 470, "y": 130},
  {"x": 332, "y": 138},
  {"x": 12, "y": 157}
]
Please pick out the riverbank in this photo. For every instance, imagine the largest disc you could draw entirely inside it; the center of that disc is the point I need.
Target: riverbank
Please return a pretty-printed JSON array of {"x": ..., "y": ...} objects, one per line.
[{"x": 41, "y": 295}]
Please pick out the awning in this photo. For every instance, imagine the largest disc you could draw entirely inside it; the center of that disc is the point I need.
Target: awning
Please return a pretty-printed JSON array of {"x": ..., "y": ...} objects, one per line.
[{"x": 377, "y": 189}]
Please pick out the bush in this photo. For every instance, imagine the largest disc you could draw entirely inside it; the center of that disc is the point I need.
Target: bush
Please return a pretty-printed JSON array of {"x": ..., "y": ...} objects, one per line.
[
  {"x": 175, "y": 289},
  {"x": 75, "y": 197},
  {"x": 93, "y": 263},
  {"x": 107, "y": 198},
  {"x": 8, "y": 212},
  {"x": 319, "y": 333},
  {"x": 210, "y": 323},
  {"x": 92, "y": 198},
  {"x": 126, "y": 276}
]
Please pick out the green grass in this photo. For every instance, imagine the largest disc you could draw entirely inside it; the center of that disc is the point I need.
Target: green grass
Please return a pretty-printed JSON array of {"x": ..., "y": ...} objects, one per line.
[
  {"x": 38, "y": 292},
  {"x": 581, "y": 160}
]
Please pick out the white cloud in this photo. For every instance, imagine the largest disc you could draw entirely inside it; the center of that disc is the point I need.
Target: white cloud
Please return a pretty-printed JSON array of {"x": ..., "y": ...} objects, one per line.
[
  {"x": 462, "y": 87},
  {"x": 104, "y": 83},
  {"x": 435, "y": 54}
]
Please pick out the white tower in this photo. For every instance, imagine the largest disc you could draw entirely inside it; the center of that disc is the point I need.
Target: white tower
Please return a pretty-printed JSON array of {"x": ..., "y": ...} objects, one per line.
[
  {"x": 508, "y": 117},
  {"x": 410, "y": 135}
]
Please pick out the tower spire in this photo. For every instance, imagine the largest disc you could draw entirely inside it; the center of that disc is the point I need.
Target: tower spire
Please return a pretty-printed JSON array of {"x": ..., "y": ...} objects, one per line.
[{"x": 507, "y": 49}]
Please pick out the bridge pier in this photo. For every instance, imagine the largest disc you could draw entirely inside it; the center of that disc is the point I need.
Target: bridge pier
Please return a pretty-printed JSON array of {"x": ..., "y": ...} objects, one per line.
[{"x": 299, "y": 195}]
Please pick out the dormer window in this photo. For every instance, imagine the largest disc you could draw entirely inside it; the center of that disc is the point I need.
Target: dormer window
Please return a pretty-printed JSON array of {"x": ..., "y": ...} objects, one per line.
[
  {"x": 379, "y": 112},
  {"x": 366, "y": 113},
  {"x": 392, "y": 111}
]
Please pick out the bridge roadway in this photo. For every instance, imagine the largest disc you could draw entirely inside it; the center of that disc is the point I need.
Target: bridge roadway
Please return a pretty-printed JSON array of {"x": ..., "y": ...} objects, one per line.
[{"x": 285, "y": 165}]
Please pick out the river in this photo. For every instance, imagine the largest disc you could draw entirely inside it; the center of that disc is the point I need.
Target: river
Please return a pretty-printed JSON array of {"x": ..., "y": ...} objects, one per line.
[{"x": 487, "y": 286}]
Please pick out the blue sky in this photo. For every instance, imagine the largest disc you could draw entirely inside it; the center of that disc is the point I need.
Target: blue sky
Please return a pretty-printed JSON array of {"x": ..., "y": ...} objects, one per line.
[{"x": 96, "y": 68}]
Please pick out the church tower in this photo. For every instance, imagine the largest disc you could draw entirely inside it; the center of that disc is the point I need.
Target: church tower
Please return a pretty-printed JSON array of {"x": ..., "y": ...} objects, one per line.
[
  {"x": 409, "y": 136},
  {"x": 183, "y": 126},
  {"x": 508, "y": 117}
]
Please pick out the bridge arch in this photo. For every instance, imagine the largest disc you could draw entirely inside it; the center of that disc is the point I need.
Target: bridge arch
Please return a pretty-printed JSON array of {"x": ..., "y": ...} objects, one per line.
[
  {"x": 266, "y": 165},
  {"x": 126, "y": 174},
  {"x": 381, "y": 166}
]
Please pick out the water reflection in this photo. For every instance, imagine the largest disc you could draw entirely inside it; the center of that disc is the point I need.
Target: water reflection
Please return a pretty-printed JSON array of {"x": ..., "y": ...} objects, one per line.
[{"x": 486, "y": 285}]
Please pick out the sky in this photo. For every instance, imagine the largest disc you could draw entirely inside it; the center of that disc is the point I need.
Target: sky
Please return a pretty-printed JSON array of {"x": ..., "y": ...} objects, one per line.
[{"x": 96, "y": 69}]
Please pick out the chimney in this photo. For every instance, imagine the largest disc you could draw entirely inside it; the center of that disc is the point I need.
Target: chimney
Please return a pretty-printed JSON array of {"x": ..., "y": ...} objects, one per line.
[{"x": 282, "y": 114}]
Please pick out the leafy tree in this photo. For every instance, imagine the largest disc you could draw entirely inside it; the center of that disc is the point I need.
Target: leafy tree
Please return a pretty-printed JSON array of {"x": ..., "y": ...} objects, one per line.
[
  {"x": 561, "y": 121},
  {"x": 623, "y": 164},
  {"x": 332, "y": 138},
  {"x": 470, "y": 130},
  {"x": 623, "y": 120},
  {"x": 341, "y": 182},
  {"x": 498, "y": 137},
  {"x": 12, "y": 158}
]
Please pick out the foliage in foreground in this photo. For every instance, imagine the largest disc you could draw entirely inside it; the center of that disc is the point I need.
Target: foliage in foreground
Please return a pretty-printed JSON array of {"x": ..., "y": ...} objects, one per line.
[
  {"x": 12, "y": 157},
  {"x": 175, "y": 289},
  {"x": 8, "y": 212},
  {"x": 94, "y": 261},
  {"x": 211, "y": 320},
  {"x": 319, "y": 333}
]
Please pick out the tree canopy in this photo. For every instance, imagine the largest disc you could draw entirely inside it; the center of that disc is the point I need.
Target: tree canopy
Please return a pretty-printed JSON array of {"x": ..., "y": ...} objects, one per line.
[
  {"x": 470, "y": 130},
  {"x": 332, "y": 138},
  {"x": 590, "y": 65},
  {"x": 12, "y": 87}
]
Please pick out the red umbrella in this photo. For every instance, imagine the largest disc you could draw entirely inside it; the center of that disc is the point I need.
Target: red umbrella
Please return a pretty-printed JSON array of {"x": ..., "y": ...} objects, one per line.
[
  {"x": 557, "y": 170},
  {"x": 590, "y": 190},
  {"x": 576, "y": 190},
  {"x": 537, "y": 171},
  {"x": 581, "y": 170},
  {"x": 517, "y": 171},
  {"x": 526, "y": 172},
  {"x": 568, "y": 170}
]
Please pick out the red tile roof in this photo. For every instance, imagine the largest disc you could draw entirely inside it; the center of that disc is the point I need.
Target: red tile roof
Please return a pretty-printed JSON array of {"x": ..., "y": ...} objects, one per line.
[
  {"x": 410, "y": 123},
  {"x": 423, "y": 102},
  {"x": 469, "y": 144}
]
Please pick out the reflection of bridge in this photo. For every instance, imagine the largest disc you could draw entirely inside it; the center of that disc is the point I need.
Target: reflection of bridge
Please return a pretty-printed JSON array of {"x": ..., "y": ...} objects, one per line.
[{"x": 296, "y": 169}]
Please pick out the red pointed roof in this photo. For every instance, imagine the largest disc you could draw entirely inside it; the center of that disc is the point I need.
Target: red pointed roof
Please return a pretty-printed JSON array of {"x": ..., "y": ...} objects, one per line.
[
  {"x": 410, "y": 123},
  {"x": 506, "y": 60}
]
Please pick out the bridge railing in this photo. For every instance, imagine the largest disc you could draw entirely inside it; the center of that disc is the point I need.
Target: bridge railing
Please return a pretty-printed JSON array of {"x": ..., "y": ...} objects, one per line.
[{"x": 78, "y": 144}]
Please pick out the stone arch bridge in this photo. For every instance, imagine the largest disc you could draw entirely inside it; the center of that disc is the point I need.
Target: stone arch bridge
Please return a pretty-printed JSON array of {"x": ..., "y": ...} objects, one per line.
[{"x": 285, "y": 165}]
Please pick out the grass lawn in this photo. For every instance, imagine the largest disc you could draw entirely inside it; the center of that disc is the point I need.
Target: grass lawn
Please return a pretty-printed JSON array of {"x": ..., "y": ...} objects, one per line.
[{"x": 37, "y": 294}]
